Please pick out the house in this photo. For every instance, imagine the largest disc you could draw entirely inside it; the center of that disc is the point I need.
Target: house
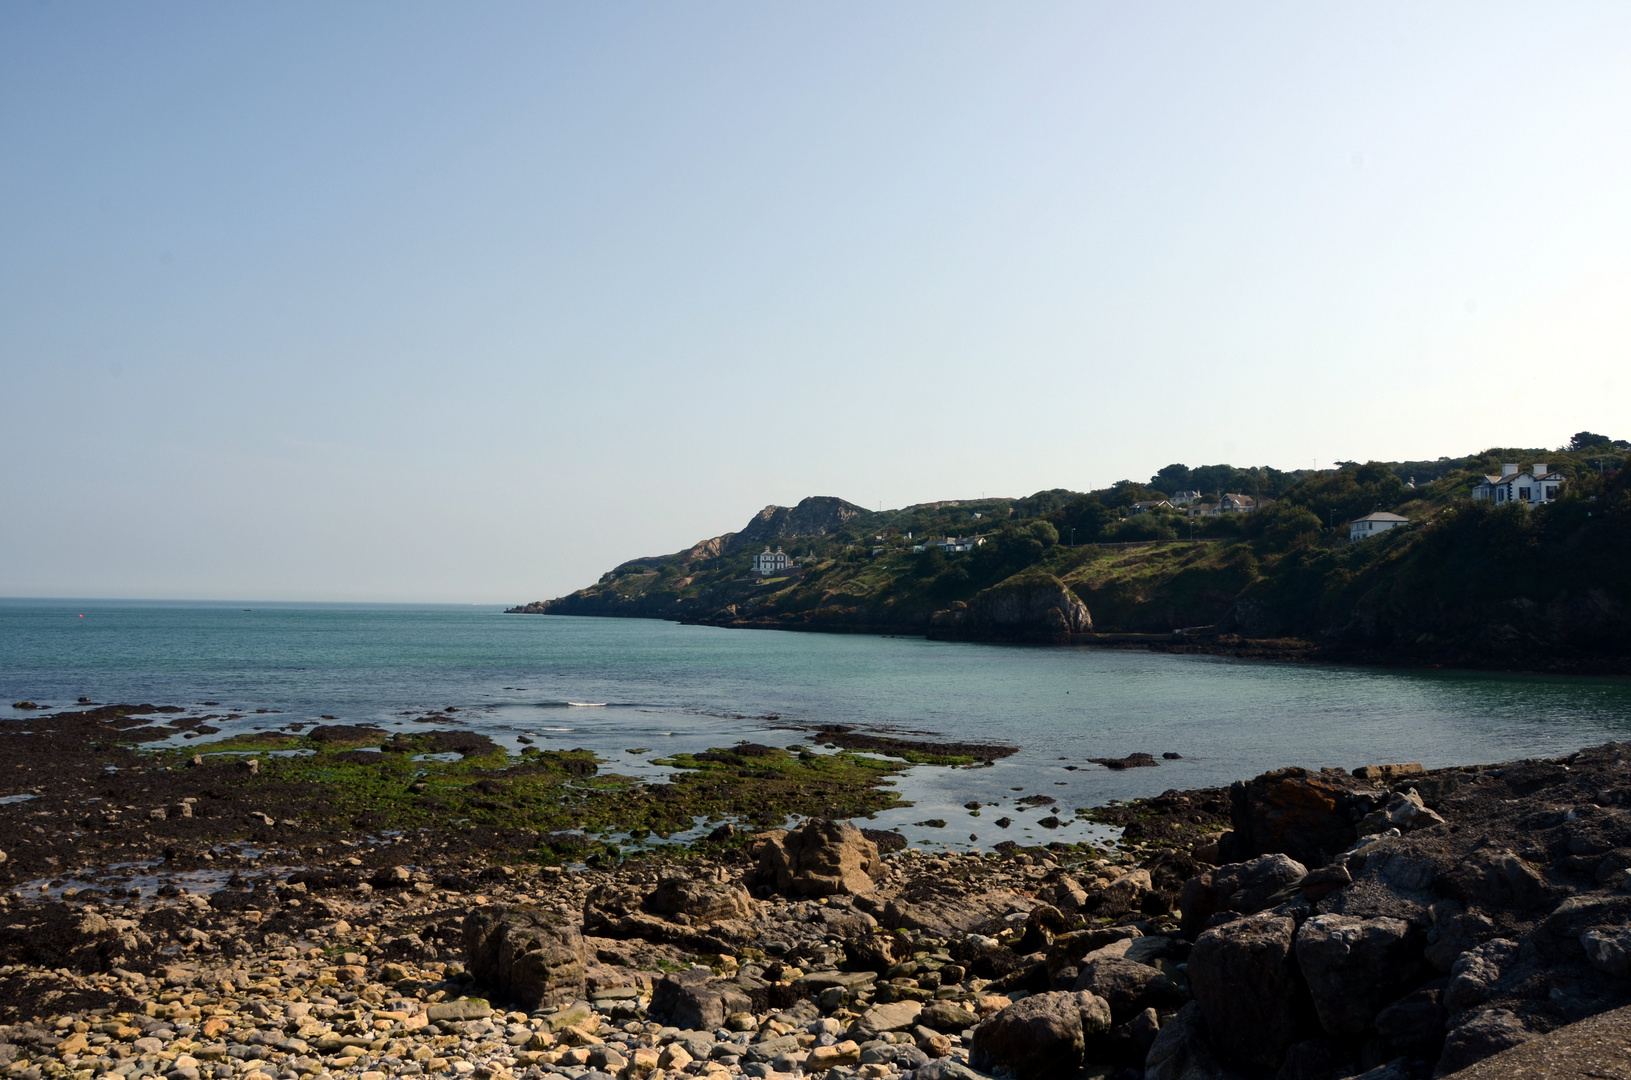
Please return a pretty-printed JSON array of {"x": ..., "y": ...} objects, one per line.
[
  {"x": 769, "y": 562},
  {"x": 1146, "y": 507},
  {"x": 1533, "y": 486},
  {"x": 1371, "y": 524},
  {"x": 951, "y": 544},
  {"x": 1237, "y": 504},
  {"x": 1184, "y": 498}
]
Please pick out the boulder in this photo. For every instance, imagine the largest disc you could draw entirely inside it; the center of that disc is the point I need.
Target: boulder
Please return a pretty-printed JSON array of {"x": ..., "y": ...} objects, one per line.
[
  {"x": 1128, "y": 893},
  {"x": 533, "y": 957},
  {"x": 947, "y": 1017},
  {"x": 1474, "y": 974},
  {"x": 820, "y": 858},
  {"x": 1496, "y": 878},
  {"x": 877, "y": 952},
  {"x": 1031, "y": 606},
  {"x": 893, "y": 1016},
  {"x": 1453, "y": 934},
  {"x": 1414, "y": 1025},
  {"x": 1609, "y": 951},
  {"x": 701, "y": 900},
  {"x": 1244, "y": 887},
  {"x": 1403, "y": 811},
  {"x": 1307, "y": 815},
  {"x": 1041, "y": 1037},
  {"x": 1129, "y": 987},
  {"x": 1245, "y": 980},
  {"x": 1478, "y": 1037},
  {"x": 1353, "y": 967},
  {"x": 694, "y": 1000},
  {"x": 1182, "y": 1051}
]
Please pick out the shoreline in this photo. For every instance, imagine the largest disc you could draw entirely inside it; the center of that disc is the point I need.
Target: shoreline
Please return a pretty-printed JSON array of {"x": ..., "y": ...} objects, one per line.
[{"x": 277, "y": 949}]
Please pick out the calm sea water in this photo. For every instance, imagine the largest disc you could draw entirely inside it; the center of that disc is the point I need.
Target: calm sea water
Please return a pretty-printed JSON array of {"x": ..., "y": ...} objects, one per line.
[{"x": 616, "y": 686}]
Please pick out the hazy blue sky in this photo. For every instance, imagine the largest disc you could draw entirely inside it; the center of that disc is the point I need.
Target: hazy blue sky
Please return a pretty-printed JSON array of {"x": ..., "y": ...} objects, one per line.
[{"x": 471, "y": 301}]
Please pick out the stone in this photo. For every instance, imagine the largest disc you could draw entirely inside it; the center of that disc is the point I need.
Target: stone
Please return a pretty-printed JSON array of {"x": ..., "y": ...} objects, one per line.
[
  {"x": 1128, "y": 893},
  {"x": 1452, "y": 935},
  {"x": 820, "y": 858},
  {"x": 692, "y": 999},
  {"x": 948, "y": 1017},
  {"x": 461, "y": 1009},
  {"x": 1496, "y": 878},
  {"x": 674, "y": 1057},
  {"x": 701, "y": 900},
  {"x": 1474, "y": 974},
  {"x": 1041, "y": 1037},
  {"x": 1353, "y": 967},
  {"x": 1479, "y": 1036},
  {"x": 1403, "y": 811},
  {"x": 1181, "y": 1050},
  {"x": 1244, "y": 887},
  {"x": 894, "y": 1016},
  {"x": 1129, "y": 987},
  {"x": 823, "y": 1058},
  {"x": 1245, "y": 981},
  {"x": 1609, "y": 951},
  {"x": 1307, "y": 816},
  {"x": 532, "y": 957},
  {"x": 1413, "y": 1026},
  {"x": 877, "y": 952}
]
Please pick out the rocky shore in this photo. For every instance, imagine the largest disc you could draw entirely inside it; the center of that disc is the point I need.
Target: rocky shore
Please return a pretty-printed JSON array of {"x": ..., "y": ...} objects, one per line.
[{"x": 1387, "y": 922}]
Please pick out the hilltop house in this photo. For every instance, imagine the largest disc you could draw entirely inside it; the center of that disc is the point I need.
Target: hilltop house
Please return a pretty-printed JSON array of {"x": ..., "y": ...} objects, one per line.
[
  {"x": 1371, "y": 524},
  {"x": 1533, "y": 486},
  {"x": 1236, "y": 504},
  {"x": 1184, "y": 498},
  {"x": 1146, "y": 507},
  {"x": 950, "y": 544},
  {"x": 768, "y": 562}
]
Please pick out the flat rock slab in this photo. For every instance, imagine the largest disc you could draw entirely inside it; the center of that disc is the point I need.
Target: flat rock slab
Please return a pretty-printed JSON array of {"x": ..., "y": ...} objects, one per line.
[
  {"x": 1592, "y": 1049},
  {"x": 822, "y": 980}
]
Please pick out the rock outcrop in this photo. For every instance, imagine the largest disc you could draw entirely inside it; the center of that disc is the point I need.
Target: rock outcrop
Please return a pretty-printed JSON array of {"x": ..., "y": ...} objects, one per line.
[
  {"x": 819, "y": 858},
  {"x": 534, "y": 958}
]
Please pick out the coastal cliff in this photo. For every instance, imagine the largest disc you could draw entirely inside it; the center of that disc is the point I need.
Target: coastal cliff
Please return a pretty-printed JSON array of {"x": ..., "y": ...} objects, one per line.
[{"x": 1464, "y": 583}]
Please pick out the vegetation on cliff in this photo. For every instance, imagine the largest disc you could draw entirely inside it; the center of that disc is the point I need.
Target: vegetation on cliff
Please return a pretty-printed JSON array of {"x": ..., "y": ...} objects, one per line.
[{"x": 1466, "y": 583}]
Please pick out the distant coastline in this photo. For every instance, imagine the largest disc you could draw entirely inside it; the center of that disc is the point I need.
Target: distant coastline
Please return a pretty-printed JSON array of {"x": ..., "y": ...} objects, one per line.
[{"x": 1446, "y": 579}]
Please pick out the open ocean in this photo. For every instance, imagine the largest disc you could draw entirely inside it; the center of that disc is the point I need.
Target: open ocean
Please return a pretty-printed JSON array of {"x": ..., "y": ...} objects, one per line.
[{"x": 616, "y": 685}]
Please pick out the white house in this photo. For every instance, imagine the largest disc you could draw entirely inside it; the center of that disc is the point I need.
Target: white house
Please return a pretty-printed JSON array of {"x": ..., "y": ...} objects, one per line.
[
  {"x": 1237, "y": 504},
  {"x": 1146, "y": 507},
  {"x": 1371, "y": 524},
  {"x": 768, "y": 562},
  {"x": 1184, "y": 498},
  {"x": 952, "y": 544},
  {"x": 1532, "y": 486}
]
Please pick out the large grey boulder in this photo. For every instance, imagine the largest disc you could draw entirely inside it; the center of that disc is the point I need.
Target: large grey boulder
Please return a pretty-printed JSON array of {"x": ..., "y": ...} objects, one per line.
[
  {"x": 1182, "y": 1051},
  {"x": 1245, "y": 980},
  {"x": 1353, "y": 967},
  {"x": 820, "y": 858},
  {"x": 1129, "y": 987},
  {"x": 1041, "y": 1037},
  {"x": 694, "y": 1000},
  {"x": 1244, "y": 887},
  {"x": 1496, "y": 878},
  {"x": 701, "y": 900},
  {"x": 1413, "y": 1026},
  {"x": 1478, "y": 1037},
  {"x": 1609, "y": 951},
  {"x": 532, "y": 957},
  {"x": 1474, "y": 974}
]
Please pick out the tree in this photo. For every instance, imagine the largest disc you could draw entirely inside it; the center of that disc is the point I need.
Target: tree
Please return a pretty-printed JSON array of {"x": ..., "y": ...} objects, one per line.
[
  {"x": 1587, "y": 440},
  {"x": 1173, "y": 478}
]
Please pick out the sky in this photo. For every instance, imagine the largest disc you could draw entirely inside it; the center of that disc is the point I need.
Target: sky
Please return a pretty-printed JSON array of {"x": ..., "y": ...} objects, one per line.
[{"x": 433, "y": 302}]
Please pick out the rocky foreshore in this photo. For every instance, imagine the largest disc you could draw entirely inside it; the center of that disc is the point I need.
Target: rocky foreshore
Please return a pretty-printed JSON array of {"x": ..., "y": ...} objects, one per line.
[{"x": 1388, "y": 922}]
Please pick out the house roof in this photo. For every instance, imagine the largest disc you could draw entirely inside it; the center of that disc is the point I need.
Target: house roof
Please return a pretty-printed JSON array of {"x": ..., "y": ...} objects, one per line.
[{"x": 1380, "y": 515}]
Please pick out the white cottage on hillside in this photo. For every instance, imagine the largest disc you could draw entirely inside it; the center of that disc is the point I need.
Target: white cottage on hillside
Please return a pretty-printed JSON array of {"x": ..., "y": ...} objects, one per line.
[
  {"x": 1533, "y": 486},
  {"x": 1372, "y": 524},
  {"x": 768, "y": 562}
]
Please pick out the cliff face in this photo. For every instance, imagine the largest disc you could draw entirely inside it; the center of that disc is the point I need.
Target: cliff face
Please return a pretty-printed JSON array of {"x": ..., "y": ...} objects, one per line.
[
  {"x": 1037, "y": 607},
  {"x": 818, "y": 515}
]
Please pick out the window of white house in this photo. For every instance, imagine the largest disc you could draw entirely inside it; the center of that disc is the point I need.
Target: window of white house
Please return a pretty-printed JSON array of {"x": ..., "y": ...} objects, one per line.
[{"x": 1523, "y": 493}]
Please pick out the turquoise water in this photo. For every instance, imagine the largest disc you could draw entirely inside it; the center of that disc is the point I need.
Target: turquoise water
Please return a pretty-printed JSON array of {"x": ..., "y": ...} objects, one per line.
[{"x": 665, "y": 688}]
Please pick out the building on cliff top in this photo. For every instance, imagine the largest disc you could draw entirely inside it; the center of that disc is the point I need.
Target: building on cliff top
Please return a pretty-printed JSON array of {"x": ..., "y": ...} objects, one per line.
[
  {"x": 1532, "y": 487},
  {"x": 1371, "y": 524},
  {"x": 768, "y": 562}
]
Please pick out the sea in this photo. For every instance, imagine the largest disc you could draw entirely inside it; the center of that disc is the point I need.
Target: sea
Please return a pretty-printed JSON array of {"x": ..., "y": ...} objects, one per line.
[{"x": 634, "y": 690}]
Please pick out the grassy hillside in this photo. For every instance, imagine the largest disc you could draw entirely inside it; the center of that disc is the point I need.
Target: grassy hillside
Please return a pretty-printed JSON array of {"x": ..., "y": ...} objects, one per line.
[{"x": 1465, "y": 583}]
